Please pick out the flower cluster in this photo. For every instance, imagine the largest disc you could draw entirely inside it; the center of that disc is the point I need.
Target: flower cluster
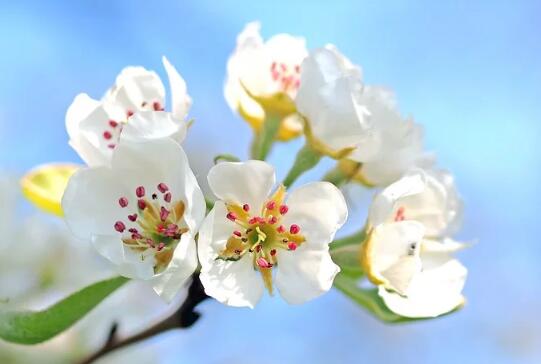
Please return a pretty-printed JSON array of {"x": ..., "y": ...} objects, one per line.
[{"x": 139, "y": 204}]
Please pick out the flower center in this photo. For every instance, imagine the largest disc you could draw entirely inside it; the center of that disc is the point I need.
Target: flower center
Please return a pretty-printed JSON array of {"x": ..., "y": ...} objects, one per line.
[
  {"x": 157, "y": 226},
  {"x": 287, "y": 77},
  {"x": 261, "y": 235},
  {"x": 112, "y": 132}
]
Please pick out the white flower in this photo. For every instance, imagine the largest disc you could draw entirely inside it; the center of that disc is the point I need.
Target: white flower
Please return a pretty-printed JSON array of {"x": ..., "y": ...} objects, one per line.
[
  {"x": 408, "y": 252},
  {"x": 94, "y": 127},
  {"x": 141, "y": 213},
  {"x": 330, "y": 98},
  {"x": 250, "y": 233},
  {"x": 349, "y": 119},
  {"x": 397, "y": 142},
  {"x": 264, "y": 69}
]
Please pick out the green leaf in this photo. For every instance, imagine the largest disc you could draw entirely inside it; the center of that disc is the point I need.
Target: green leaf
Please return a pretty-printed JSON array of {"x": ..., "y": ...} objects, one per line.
[
  {"x": 306, "y": 159},
  {"x": 347, "y": 257},
  {"x": 33, "y": 327}
]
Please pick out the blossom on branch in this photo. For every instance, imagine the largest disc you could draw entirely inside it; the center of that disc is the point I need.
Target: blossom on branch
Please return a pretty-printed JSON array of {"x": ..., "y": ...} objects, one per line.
[{"x": 255, "y": 239}]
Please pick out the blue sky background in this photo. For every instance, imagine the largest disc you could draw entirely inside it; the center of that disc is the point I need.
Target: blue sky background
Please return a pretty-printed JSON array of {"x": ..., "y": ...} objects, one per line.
[{"x": 470, "y": 72}]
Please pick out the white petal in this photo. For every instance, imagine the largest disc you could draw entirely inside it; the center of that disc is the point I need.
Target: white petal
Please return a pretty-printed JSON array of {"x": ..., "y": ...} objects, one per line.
[
  {"x": 90, "y": 202},
  {"x": 305, "y": 273},
  {"x": 233, "y": 283},
  {"x": 329, "y": 97},
  {"x": 383, "y": 205},
  {"x": 154, "y": 125},
  {"x": 431, "y": 293},
  {"x": 180, "y": 100},
  {"x": 148, "y": 163},
  {"x": 135, "y": 86},
  {"x": 184, "y": 262},
  {"x": 242, "y": 182},
  {"x": 86, "y": 120},
  {"x": 248, "y": 40},
  {"x": 392, "y": 253},
  {"x": 319, "y": 208},
  {"x": 127, "y": 263}
]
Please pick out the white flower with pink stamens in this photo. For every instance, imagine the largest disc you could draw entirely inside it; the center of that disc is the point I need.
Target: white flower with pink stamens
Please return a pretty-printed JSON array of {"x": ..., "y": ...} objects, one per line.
[
  {"x": 138, "y": 95},
  {"x": 141, "y": 212},
  {"x": 408, "y": 252},
  {"x": 254, "y": 239},
  {"x": 264, "y": 69}
]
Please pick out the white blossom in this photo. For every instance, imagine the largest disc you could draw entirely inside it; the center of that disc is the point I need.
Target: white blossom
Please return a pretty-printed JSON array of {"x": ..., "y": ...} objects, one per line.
[
  {"x": 134, "y": 105},
  {"x": 141, "y": 212},
  {"x": 264, "y": 68},
  {"x": 408, "y": 251},
  {"x": 252, "y": 234}
]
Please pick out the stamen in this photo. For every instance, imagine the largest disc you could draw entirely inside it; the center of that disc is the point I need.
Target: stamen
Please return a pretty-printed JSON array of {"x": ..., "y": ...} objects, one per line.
[
  {"x": 141, "y": 204},
  {"x": 123, "y": 202},
  {"x": 237, "y": 233},
  {"x": 284, "y": 209},
  {"x": 292, "y": 246},
  {"x": 133, "y": 230},
  {"x": 132, "y": 217},
  {"x": 163, "y": 213},
  {"x": 262, "y": 262},
  {"x": 273, "y": 252},
  {"x": 120, "y": 227},
  {"x": 272, "y": 220},
  {"x": 107, "y": 135},
  {"x": 161, "y": 246},
  {"x": 140, "y": 191},
  {"x": 113, "y": 123},
  {"x": 129, "y": 113},
  {"x": 294, "y": 229},
  {"x": 246, "y": 207},
  {"x": 157, "y": 106},
  {"x": 281, "y": 229},
  {"x": 231, "y": 216},
  {"x": 271, "y": 205},
  {"x": 163, "y": 188},
  {"x": 167, "y": 197},
  {"x": 400, "y": 214}
]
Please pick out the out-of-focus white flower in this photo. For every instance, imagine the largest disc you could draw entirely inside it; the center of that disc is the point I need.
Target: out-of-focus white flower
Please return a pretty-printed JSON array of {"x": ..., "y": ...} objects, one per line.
[
  {"x": 141, "y": 213},
  {"x": 94, "y": 127},
  {"x": 408, "y": 253},
  {"x": 398, "y": 143},
  {"x": 330, "y": 98},
  {"x": 249, "y": 231},
  {"x": 264, "y": 69}
]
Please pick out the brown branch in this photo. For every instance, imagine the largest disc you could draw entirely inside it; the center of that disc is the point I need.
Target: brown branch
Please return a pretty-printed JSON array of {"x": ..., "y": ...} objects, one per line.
[{"x": 184, "y": 317}]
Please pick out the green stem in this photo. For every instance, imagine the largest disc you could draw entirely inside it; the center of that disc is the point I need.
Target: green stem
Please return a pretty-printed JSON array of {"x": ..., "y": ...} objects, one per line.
[
  {"x": 209, "y": 203},
  {"x": 356, "y": 238},
  {"x": 336, "y": 176},
  {"x": 306, "y": 159},
  {"x": 264, "y": 140}
]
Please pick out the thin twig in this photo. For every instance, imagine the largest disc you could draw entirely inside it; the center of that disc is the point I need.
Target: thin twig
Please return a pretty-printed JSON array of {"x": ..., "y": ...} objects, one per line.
[{"x": 184, "y": 317}]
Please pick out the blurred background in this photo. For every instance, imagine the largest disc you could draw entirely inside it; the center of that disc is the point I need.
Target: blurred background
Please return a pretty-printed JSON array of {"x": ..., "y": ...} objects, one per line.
[{"x": 469, "y": 71}]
